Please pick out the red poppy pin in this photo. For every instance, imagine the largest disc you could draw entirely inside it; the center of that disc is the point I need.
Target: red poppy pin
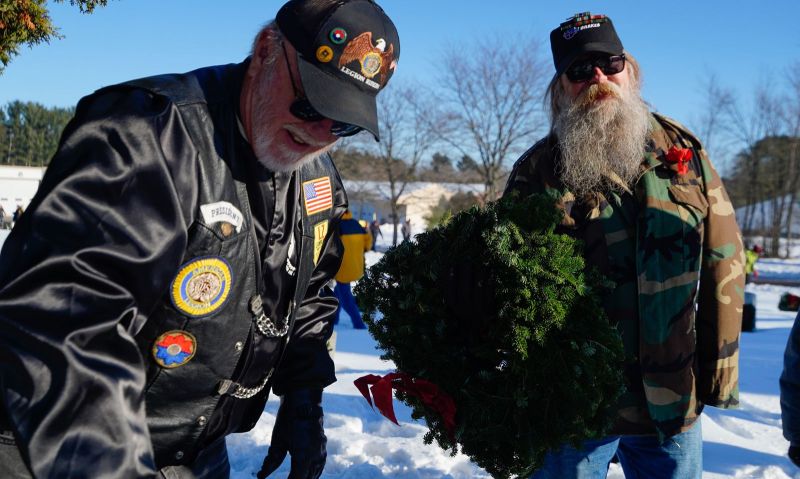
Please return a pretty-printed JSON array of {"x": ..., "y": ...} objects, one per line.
[{"x": 678, "y": 159}]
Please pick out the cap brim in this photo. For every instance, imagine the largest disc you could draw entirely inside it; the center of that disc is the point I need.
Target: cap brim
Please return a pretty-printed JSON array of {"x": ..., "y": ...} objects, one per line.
[
  {"x": 337, "y": 99},
  {"x": 593, "y": 47}
]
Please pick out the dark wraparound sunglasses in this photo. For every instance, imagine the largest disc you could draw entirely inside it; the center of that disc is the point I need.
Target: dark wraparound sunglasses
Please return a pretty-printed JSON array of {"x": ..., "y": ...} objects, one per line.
[
  {"x": 583, "y": 70},
  {"x": 302, "y": 110}
]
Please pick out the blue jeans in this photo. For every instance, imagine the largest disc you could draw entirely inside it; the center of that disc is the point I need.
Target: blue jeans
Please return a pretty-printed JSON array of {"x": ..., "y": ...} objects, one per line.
[
  {"x": 641, "y": 457},
  {"x": 347, "y": 302}
]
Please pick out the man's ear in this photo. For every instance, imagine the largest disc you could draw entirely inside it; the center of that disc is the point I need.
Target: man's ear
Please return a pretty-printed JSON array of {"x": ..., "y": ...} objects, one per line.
[{"x": 267, "y": 41}]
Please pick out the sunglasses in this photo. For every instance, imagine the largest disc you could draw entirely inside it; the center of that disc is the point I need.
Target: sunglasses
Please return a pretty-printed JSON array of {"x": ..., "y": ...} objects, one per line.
[
  {"x": 583, "y": 70},
  {"x": 302, "y": 109}
]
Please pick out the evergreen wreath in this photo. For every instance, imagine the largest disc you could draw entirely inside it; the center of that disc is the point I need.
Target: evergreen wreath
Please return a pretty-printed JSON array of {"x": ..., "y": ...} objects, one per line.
[{"x": 499, "y": 312}]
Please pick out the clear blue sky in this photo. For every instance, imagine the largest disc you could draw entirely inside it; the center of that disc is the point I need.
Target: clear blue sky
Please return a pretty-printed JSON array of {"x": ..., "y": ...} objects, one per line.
[{"x": 744, "y": 43}]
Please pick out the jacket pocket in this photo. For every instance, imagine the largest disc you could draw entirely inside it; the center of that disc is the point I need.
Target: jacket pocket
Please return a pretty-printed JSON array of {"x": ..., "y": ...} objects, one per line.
[
  {"x": 692, "y": 208},
  {"x": 692, "y": 203}
]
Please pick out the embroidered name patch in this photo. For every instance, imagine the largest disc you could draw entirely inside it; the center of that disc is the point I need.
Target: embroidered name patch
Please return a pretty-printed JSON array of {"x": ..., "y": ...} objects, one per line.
[
  {"x": 174, "y": 348},
  {"x": 201, "y": 286},
  {"x": 318, "y": 195},
  {"x": 222, "y": 211}
]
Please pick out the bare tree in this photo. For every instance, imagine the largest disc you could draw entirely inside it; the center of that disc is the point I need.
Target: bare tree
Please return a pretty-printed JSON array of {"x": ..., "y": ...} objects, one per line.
[
  {"x": 491, "y": 101},
  {"x": 405, "y": 138},
  {"x": 710, "y": 123},
  {"x": 791, "y": 118},
  {"x": 766, "y": 170},
  {"x": 746, "y": 128}
]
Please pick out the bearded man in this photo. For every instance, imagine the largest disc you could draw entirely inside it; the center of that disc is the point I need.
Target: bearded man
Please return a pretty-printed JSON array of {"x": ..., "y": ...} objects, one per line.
[
  {"x": 172, "y": 269},
  {"x": 639, "y": 191}
]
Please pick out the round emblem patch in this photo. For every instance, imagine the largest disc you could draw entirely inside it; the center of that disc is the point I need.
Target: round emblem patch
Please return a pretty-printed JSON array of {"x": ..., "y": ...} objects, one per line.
[
  {"x": 324, "y": 54},
  {"x": 338, "y": 36},
  {"x": 201, "y": 286},
  {"x": 371, "y": 64},
  {"x": 174, "y": 348}
]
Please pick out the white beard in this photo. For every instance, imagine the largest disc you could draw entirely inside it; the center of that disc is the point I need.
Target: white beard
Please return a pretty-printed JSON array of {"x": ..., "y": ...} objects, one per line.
[
  {"x": 270, "y": 152},
  {"x": 277, "y": 156},
  {"x": 597, "y": 138}
]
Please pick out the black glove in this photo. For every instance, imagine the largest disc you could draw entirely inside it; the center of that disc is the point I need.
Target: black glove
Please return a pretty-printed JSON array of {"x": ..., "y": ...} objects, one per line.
[
  {"x": 298, "y": 431},
  {"x": 794, "y": 454}
]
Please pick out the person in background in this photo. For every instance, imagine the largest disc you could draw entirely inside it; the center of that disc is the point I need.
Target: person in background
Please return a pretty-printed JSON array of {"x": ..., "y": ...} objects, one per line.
[
  {"x": 642, "y": 196},
  {"x": 356, "y": 240},
  {"x": 751, "y": 256},
  {"x": 375, "y": 231},
  {"x": 17, "y": 215},
  {"x": 172, "y": 269},
  {"x": 406, "y": 229}
]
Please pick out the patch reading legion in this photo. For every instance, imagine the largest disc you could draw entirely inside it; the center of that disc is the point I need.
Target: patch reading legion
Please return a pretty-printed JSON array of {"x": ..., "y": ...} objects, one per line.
[
  {"x": 201, "y": 286},
  {"x": 174, "y": 348}
]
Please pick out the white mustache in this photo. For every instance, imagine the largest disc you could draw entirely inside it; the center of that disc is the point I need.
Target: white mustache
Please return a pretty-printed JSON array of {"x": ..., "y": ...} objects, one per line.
[{"x": 304, "y": 137}]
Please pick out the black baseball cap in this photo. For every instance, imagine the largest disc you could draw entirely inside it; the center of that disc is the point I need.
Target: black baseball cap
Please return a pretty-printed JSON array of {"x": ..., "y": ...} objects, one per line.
[
  {"x": 347, "y": 51},
  {"x": 581, "y": 34}
]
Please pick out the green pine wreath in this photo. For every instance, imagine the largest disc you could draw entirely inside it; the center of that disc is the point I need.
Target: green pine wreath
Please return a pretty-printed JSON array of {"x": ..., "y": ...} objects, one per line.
[{"x": 528, "y": 354}]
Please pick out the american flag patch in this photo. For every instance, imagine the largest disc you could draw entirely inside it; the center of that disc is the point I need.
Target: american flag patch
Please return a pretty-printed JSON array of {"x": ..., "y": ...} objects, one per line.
[{"x": 318, "y": 195}]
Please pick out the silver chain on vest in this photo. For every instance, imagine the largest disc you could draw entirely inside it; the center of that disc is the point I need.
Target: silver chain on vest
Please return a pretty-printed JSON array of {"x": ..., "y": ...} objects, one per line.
[
  {"x": 240, "y": 392},
  {"x": 264, "y": 324}
]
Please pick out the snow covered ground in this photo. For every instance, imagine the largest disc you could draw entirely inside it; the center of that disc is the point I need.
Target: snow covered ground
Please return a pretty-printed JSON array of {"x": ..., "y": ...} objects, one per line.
[{"x": 743, "y": 444}]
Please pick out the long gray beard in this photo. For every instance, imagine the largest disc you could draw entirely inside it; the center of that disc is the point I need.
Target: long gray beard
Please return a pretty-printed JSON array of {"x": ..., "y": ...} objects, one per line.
[{"x": 596, "y": 138}]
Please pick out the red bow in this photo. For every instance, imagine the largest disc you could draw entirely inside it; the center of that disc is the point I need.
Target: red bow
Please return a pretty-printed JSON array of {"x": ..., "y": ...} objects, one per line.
[
  {"x": 679, "y": 159},
  {"x": 429, "y": 393}
]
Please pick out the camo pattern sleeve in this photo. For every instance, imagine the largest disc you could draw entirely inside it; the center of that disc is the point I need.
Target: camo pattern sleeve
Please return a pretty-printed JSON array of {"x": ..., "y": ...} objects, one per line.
[
  {"x": 532, "y": 172},
  {"x": 721, "y": 297},
  {"x": 721, "y": 291}
]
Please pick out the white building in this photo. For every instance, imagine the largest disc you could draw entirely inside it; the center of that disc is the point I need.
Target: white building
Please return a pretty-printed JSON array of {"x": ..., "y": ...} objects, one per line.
[
  {"x": 18, "y": 184},
  {"x": 369, "y": 199}
]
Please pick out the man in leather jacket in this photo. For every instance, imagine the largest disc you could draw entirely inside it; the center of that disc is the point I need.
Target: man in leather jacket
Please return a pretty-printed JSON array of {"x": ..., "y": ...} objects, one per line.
[{"x": 173, "y": 266}]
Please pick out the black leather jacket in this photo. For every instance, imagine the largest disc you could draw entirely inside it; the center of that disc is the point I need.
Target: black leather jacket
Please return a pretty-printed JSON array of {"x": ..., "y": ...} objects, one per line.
[{"x": 102, "y": 313}]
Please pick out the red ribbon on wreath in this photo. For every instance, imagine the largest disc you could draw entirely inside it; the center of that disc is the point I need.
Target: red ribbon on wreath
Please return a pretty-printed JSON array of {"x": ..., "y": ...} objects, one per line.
[
  {"x": 678, "y": 158},
  {"x": 427, "y": 392}
]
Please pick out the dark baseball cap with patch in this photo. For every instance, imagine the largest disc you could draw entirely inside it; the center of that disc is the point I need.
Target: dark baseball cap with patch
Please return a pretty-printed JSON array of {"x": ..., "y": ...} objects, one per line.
[
  {"x": 583, "y": 33},
  {"x": 347, "y": 51}
]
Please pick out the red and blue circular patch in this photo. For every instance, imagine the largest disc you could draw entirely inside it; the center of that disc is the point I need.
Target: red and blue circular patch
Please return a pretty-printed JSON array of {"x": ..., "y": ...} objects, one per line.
[
  {"x": 338, "y": 35},
  {"x": 174, "y": 348}
]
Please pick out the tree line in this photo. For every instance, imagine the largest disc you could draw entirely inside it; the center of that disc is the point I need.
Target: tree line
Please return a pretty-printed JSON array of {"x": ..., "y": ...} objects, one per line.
[
  {"x": 473, "y": 120},
  {"x": 29, "y": 132}
]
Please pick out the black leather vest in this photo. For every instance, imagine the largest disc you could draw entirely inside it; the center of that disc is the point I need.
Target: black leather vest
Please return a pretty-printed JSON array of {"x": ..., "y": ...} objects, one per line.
[{"x": 182, "y": 394}]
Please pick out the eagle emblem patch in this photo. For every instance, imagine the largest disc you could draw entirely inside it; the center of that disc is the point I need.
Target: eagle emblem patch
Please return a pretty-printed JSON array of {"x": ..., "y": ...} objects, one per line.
[
  {"x": 373, "y": 58},
  {"x": 201, "y": 286},
  {"x": 174, "y": 349}
]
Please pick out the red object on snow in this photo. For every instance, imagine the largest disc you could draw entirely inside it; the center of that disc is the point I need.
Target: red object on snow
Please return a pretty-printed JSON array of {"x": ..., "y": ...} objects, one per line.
[
  {"x": 789, "y": 302},
  {"x": 429, "y": 393}
]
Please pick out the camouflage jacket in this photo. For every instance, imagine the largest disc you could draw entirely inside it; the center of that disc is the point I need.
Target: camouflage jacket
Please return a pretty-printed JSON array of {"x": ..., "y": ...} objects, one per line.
[{"x": 689, "y": 271}]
